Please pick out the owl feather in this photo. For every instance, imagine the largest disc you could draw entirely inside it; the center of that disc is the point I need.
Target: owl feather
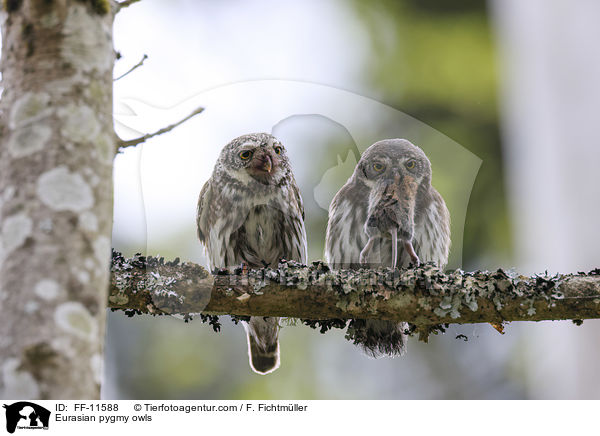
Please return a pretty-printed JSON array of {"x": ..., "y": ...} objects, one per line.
[
  {"x": 389, "y": 194},
  {"x": 250, "y": 212}
]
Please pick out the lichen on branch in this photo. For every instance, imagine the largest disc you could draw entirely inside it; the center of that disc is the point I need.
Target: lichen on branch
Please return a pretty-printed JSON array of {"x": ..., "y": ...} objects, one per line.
[{"x": 423, "y": 296}]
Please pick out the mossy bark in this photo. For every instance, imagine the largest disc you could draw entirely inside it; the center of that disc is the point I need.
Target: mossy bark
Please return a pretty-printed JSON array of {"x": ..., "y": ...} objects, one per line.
[
  {"x": 57, "y": 148},
  {"x": 423, "y": 296}
]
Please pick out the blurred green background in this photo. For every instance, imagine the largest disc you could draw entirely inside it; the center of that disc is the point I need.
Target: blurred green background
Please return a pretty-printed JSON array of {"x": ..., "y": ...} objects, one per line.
[{"x": 437, "y": 61}]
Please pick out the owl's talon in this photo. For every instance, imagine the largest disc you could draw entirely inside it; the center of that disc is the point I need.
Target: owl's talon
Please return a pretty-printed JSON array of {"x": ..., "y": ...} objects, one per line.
[
  {"x": 362, "y": 258},
  {"x": 411, "y": 252}
]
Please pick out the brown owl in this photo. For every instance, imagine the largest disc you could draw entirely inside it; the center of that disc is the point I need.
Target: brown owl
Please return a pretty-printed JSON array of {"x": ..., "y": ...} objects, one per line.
[
  {"x": 250, "y": 212},
  {"x": 387, "y": 214}
]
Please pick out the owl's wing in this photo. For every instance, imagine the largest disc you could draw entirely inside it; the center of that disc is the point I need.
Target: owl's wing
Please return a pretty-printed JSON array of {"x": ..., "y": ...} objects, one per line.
[
  {"x": 298, "y": 197},
  {"x": 299, "y": 250},
  {"x": 345, "y": 236},
  {"x": 432, "y": 235},
  {"x": 202, "y": 213}
]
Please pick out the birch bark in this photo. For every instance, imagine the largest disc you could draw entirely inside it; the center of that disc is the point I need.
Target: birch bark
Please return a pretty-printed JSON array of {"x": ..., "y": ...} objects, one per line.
[{"x": 56, "y": 154}]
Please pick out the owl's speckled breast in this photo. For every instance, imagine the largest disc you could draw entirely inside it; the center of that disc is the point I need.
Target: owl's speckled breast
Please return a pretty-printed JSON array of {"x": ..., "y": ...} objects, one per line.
[{"x": 261, "y": 234}]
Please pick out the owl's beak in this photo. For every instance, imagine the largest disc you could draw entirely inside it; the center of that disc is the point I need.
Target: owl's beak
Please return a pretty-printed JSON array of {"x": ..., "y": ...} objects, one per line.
[
  {"x": 262, "y": 162},
  {"x": 261, "y": 167},
  {"x": 266, "y": 164}
]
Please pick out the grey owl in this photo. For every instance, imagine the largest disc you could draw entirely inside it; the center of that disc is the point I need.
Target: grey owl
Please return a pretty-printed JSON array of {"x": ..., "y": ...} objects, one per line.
[
  {"x": 387, "y": 214},
  {"x": 250, "y": 212}
]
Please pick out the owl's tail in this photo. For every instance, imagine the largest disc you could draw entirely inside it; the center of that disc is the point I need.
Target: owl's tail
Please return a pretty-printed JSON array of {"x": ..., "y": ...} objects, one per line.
[
  {"x": 263, "y": 344},
  {"x": 379, "y": 338}
]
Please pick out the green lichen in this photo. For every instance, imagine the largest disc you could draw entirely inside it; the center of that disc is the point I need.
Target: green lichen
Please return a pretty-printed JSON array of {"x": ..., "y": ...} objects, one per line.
[
  {"x": 449, "y": 305},
  {"x": 96, "y": 91},
  {"x": 401, "y": 301},
  {"x": 30, "y": 108},
  {"x": 424, "y": 303},
  {"x": 419, "y": 293},
  {"x": 38, "y": 358},
  {"x": 119, "y": 299},
  {"x": 101, "y": 7},
  {"x": 349, "y": 300},
  {"x": 105, "y": 147},
  {"x": 80, "y": 321},
  {"x": 258, "y": 285}
]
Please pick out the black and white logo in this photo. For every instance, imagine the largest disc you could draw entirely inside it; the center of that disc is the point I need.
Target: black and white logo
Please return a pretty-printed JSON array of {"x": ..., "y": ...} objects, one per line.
[{"x": 26, "y": 415}]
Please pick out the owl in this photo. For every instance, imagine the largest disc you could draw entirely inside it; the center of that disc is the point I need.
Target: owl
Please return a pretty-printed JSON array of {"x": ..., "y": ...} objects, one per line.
[
  {"x": 387, "y": 214},
  {"x": 250, "y": 212}
]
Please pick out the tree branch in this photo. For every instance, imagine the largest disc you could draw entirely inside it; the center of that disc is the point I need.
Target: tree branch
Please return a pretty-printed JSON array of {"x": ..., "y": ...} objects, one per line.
[
  {"x": 139, "y": 64},
  {"x": 136, "y": 141},
  {"x": 125, "y": 4},
  {"x": 423, "y": 296}
]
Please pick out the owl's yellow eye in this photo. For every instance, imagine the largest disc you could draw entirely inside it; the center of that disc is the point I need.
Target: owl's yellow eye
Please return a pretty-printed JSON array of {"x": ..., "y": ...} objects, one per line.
[
  {"x": 277, "y": 149},
  {"x": 410, "y": 164},
  {"x": 245, "y": 155},
  {"x": 378, "y": 167}
]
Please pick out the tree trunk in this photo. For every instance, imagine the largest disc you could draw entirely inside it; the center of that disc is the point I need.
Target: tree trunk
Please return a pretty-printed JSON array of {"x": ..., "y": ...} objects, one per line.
[{"x": 57, "y": 149}]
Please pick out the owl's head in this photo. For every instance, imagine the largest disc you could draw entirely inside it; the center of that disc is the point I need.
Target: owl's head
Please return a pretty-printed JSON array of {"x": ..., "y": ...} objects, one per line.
[
  {"x": 256, "y": 157},
  {"x": 398, "y": 175}
]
